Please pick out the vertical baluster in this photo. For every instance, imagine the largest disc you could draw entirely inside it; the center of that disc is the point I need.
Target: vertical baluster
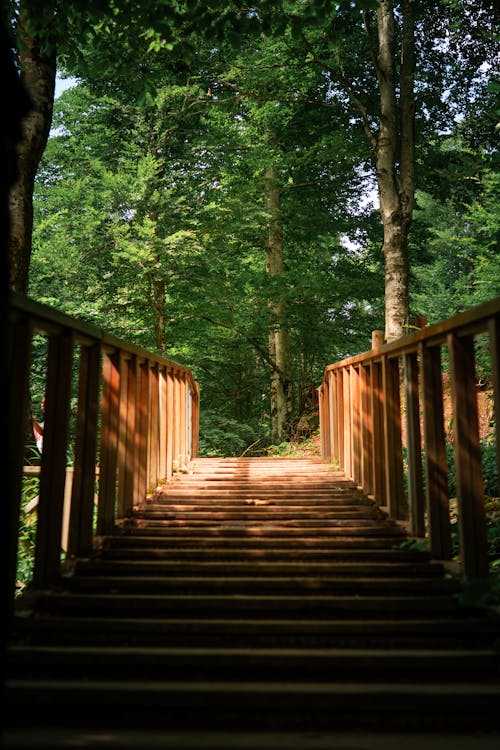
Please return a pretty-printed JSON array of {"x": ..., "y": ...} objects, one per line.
[
  {"x": 339, "y": 377},
  {"x": 123, "y": 473},
  {"x": 356, "y": 424},
  {"x": 141, "y": 426},
  {"x": 436, "y": 464},
  {"x": 366, "y": 431},
  {"x": 154, "y": 395},
  {"x": 392, "y": 438},
  {"x": 170, "y": 420},
  {"x": 47, "y": 565},
  {"x": 333, "y": 417},
  {"x": 494, "y": 334},
  {"x": 108, "y": 458},
  {"x": 468, "y": 470},
  {"x": 324, "y": 412},
  {"x": 347, "y": 423},
  {"x": 378, "y": 455},
  {"x": 82, "y": 499},
  {"x": 162, "y": 424},
  {"x": 416, "y": 499},
  {"x": 196, "y": 420}
]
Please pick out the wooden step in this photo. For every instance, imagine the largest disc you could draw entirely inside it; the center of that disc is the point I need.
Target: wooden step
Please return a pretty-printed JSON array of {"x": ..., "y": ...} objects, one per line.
[
  {"x": 369, "y": 607},
  {"x": 277, "y": 633},
  {"x": 94, "y": 662},
  {"x": 254, "y": 595},
  {"x": 258, "y": 705},
  {"x": 257, "y": 568}
]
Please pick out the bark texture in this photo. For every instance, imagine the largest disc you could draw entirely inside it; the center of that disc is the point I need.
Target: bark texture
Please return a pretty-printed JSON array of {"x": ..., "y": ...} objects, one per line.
[
  {"x": 38, "y": 75},
  {"x": 395, "y": 160}
]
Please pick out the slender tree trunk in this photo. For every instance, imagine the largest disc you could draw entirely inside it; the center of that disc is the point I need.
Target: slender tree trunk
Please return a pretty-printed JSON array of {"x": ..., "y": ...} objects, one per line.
[
  {"x": 38, "y": 75},
  {"x": 395, "y": 146},
  {"x": 279, "y": 339}
]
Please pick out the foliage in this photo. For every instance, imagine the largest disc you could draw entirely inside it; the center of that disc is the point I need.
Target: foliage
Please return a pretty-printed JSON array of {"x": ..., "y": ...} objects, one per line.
[{"x": 27, "y": 534}]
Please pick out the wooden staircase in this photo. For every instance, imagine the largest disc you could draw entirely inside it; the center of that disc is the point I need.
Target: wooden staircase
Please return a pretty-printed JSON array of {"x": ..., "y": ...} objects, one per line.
[{"x": 253, "y": 595}]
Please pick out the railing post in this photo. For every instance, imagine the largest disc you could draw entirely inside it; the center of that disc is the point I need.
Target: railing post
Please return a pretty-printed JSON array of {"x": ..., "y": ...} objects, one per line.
[
  {"x": 170, "y": 420},
  {"x": 47, "y": 566},
  {"x": 324, "y": 399},
  {"x": 108, "y": 459},
  {"x": 195, "y": 421},
  {"x": 347, "y": 423},
  {"x": 436, "y": 464},
  {"x": 468, "y": 471},
  {"x": 154, "y": 415},
  {"x": 392, "y": 434},
  {"x": 356, "y": 424},
  {"x": 378, "y": 456},
  {"x": 183, "y": 419},
  {"x": 124, "y": 467},
  {"x": 141, "y": 427},
  {"x": 162, "y": 438},
  {"x": 80, "y": 533},
  {"x": 332, "y": 415},
  {"x": 366, "y": 430},
  {"x": 416, "y": 501},
  {"x": 494, "y": 334}
]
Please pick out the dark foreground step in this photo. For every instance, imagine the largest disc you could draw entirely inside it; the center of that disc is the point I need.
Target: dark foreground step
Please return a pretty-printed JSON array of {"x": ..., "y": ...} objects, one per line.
[
  {"x": 256, "y": 606},
  {"x": 106, "y": 662},
  {"x": 255, "y": 705},
  {"x": 241, "y": 585},
  {"x": 257, "y": 568},
  {"x": 262, "y": 632},
  {"x": 122, "y": 548},
  {"x": 141, "y": 536}
]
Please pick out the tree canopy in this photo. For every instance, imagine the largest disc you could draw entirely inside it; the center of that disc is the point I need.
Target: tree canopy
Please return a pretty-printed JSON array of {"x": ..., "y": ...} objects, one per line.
[{"x": 252, "y": 190}]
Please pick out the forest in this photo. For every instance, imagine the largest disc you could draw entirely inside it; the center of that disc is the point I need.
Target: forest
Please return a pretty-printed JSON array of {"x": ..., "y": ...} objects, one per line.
[{"x": 251, "y": 190}]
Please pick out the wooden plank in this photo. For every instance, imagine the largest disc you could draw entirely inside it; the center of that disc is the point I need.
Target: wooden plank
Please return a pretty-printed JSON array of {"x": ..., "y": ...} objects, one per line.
[
  {"x": 334, "y": 418},
  {"x": 366, "y": 431},
  {"x": 323, "y": 420},
  {"x": 47, "y": 565},
  {"x": 339, "y": 379},
  {"x": 183, "y": 419},
  {"x": 356, "y": 424},
  {"x": 468, "y": 470},
  {"x": 196, "y": 419},
  {"x": 162, "y": 424},
  {"x": 108, "y": 458},
  {"x": 123, "y": 467},
  {"x": 494, "y": 339},
  {"x": 435, "y": 464},
  {"x": 130, "y": 494},
  {"x": 142, "y": 428},
  {"x": 378, "y": 455},
  {"x": 347, "y": 423},
  {"x": 396, "y": 500},
  {"x": 153, "y": 431},
  {"x": 170, "y": 421},
  {"x": 80, "y": 532},
  {"x": 416, "y": 496}
]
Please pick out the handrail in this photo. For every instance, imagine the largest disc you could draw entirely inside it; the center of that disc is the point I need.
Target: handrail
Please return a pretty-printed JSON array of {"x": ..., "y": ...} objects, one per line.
[
  {"x": 363, "y": 402},
  {"x": 137, "y": 417}
]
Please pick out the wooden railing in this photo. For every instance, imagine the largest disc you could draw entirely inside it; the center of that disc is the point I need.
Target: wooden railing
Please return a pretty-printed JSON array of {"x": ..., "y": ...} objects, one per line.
[
  {"x": 382, "y": 420},
  {"x": 136, "y": 421}
]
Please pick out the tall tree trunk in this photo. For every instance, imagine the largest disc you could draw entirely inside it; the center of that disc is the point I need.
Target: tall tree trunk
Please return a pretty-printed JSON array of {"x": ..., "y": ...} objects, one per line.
[
  {"x": 279, "y": 339},
  {"x": 38, "y": 75},
  {"x": 395, "y": 146}
]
